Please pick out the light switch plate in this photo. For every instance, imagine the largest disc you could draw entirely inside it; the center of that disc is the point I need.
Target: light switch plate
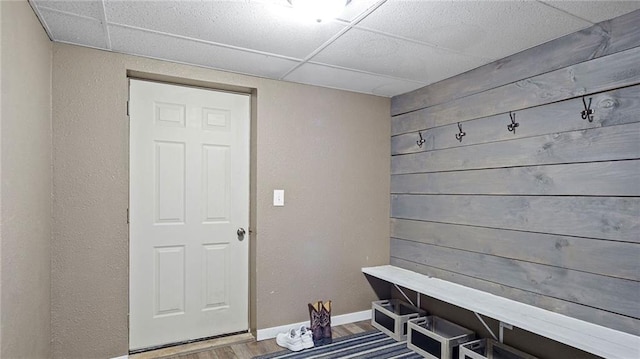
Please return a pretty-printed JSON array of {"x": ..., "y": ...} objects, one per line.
[{"x": 278, "y": 197}]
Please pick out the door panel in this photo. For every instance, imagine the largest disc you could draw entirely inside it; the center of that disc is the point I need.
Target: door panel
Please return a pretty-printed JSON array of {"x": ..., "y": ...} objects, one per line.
[
  {"x": 169, "y": 182},
  {"x": 189, "y": 193},
  {"x": 169, "y": 281},
  {"x": 215, "y": 169}
]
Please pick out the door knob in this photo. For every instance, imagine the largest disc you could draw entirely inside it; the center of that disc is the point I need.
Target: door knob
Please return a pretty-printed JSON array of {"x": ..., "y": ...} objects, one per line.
[{"x": 241, "y": 232}]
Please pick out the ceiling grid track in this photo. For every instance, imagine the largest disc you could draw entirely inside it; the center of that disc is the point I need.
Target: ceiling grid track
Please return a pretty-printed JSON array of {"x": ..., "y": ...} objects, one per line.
[
  {"x": 192, "y": 39},
  {"x": 335, "y": 37},
  {"x": 418, "y": 42},
  {"x": 105, "y": 25},
  {"x": 566, "y": 12},
  {"x": 364, "y": 72}
]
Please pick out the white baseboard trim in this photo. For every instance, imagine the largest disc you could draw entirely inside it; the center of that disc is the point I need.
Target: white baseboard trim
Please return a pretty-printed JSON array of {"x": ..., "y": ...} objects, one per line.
[
  {"x": 269, "y": 333},
  {"x": 122, "y": 357}
]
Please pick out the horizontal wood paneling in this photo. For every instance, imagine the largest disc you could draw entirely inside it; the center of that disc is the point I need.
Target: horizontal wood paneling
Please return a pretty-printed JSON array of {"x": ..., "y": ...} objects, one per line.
[
  {"x": 605, "y": 38},
  {"x": 576, "y": 310},
  {"x": 612, "y": 294},
  {"x": 600, "y": 144},
  {"x": 614, "y": 218},
  {"x": 611, "y": 108},
  {"x": 615, "y": 259},
  {"x": 601, "y": 74},
  {"x": 618, "y": 178},
  {"x": 411, "y": 122},
  {"x": 548, "y": 215}
]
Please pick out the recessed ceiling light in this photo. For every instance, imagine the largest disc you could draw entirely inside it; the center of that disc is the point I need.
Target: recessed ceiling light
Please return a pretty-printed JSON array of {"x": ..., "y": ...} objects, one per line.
[{"x": 319, "y": 10}]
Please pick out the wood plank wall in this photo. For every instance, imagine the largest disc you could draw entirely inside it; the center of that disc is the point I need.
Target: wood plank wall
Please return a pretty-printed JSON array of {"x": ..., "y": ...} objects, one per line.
[{"x": 548, "y": 215}]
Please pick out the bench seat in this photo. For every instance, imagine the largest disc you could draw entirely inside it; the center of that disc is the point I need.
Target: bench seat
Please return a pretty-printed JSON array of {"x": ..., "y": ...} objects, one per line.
[{"x": 592, "y": 338}]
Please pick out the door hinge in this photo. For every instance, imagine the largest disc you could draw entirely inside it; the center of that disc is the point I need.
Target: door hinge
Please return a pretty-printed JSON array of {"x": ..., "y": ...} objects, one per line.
[
  {"x": 127, "y": 107},
  {"x": 128, "y": 216}
]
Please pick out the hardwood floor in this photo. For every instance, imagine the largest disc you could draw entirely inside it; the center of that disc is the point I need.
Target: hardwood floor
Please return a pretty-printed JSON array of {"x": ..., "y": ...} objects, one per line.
[{"x": 252, "y": 348}]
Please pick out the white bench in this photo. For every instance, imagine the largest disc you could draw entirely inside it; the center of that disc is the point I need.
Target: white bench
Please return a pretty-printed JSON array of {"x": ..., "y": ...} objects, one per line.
[{"x": 592, "y": 338}]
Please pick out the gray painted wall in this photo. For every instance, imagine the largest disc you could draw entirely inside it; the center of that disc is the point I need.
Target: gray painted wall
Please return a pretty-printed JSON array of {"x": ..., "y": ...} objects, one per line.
[
  {"x": 548, "y": 215},
  {"x": 25, "y": 180}
]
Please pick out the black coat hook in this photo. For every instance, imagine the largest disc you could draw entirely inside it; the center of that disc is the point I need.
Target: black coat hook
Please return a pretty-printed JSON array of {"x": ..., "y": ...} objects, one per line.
[
  {"x": 512, "y": 126},
  {"x": 587, "y": 113},
  {"x": 460, "y": 134},
  {"x": 421, "y": 141}
]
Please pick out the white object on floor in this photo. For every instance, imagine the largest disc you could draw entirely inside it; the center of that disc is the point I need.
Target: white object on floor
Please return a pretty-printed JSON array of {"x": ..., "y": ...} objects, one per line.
[
  {"x": 270, "y": 333},
  {"x": 306, "y": 336},
  {"x": 290, "y": 340}
]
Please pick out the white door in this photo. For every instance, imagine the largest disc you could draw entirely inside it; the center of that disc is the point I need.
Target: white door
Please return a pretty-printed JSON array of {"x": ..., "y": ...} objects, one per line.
[{"x": 189, "y": 196}]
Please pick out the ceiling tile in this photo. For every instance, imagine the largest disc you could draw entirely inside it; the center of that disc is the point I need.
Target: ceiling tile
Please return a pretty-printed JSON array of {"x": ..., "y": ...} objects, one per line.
[
  {"x": 89, "y": 8},
  {"x": 490, "y": 29},
  {"x": 399, "y": 47},
  {"x": 75, "y": 30},
  {"x": 131, "y": 41},
  {"x": 355, "y": 8},
  {"x": 371, "y": 52},
  {"x": 350, "y": 80},
  {"x": 596, "y": 11},
  {"x": 253, "y": 25}
]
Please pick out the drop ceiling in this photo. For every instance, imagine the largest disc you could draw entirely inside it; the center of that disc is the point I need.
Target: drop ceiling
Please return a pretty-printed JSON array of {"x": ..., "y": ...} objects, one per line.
[{"x": 380, "y": 47}]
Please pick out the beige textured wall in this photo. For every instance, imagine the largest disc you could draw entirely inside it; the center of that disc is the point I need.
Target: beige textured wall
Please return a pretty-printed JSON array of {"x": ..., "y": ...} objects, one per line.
[
  {"x": 328, "y": 149},
  {"x": 25, "y": 178},
  {"x": 1, "y": 106}
]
